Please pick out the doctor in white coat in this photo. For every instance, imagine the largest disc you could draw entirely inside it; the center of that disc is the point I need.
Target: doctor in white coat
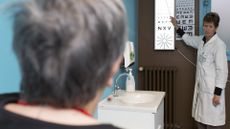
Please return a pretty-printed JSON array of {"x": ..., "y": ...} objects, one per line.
[{"x": 211, "y": 74}]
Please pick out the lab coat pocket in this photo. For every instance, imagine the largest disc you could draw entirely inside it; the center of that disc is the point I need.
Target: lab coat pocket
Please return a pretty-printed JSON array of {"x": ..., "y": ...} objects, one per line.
[{"x": 207, "y": 58}]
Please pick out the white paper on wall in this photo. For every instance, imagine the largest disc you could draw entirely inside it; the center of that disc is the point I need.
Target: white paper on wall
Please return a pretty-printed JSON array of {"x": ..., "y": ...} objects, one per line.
[
  {"x": 185, "y": 15},
  {"x": 164, "y": 38}
]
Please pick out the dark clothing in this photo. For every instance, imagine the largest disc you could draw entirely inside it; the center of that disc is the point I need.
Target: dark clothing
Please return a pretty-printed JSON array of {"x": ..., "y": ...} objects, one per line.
[
  {"x": 180, "y": 32},
  {"x": 204, "y": 126},
  {"x": 9, "y": 120}
]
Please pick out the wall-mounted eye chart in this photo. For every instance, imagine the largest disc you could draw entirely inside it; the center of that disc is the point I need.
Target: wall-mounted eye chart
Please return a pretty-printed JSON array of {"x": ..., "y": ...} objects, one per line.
[
  {"x": 164, "y": 30},
  {"x": 185, "y": 15}
]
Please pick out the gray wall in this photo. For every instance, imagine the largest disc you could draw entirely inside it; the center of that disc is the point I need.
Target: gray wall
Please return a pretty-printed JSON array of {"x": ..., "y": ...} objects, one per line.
[{"x": 222, "y": 8}]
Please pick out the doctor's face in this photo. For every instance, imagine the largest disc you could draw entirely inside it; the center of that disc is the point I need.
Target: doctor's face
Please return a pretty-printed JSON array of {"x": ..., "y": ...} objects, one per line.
[{"x": 209, "y": 29}]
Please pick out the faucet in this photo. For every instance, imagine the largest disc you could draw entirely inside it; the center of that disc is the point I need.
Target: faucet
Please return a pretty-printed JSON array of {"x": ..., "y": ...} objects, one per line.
[
  {"x": 128, "y": 83},
  {"x": 116, "y": 86}
]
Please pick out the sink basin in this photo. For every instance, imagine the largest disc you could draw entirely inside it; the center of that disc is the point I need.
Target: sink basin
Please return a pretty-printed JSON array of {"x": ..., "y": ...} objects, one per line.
[{"x": 136, "y": 98}]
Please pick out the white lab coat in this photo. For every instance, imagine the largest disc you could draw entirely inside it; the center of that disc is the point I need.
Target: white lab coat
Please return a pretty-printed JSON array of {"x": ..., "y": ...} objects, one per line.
[{"x": 211, "y": 72}]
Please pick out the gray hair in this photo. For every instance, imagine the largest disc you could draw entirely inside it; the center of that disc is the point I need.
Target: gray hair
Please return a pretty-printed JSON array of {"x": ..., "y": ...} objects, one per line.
[{"x": 66, "y": 48}]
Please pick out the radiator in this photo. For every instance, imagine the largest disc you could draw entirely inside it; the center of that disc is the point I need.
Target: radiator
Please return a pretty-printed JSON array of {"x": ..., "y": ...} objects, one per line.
[{"x": 161, "y": 79}]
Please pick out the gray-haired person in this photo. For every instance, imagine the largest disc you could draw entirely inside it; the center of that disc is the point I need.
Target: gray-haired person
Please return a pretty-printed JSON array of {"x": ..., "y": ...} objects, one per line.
[{"x": 68, "y": 51}]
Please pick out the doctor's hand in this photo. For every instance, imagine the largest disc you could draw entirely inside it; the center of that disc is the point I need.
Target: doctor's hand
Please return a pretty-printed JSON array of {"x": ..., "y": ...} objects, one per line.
[
  {"x": 216, "y": 100},
  {"x": 173, "y": 21}
]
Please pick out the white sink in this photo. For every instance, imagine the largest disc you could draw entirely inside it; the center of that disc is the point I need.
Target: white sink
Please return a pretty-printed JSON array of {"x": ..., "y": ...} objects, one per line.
[
  {"x": 136, "y": 98},
  {"x": 146, "y": 101}
]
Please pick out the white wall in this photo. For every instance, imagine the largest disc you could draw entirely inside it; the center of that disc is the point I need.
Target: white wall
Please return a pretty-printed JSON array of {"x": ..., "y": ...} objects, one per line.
[{"x": 222, "y": 8}]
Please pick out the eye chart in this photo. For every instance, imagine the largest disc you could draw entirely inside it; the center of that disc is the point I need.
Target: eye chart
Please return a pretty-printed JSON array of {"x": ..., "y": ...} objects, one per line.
[
  {"x": 164, "y": 30},
  {"x": 185, "y": 15}
]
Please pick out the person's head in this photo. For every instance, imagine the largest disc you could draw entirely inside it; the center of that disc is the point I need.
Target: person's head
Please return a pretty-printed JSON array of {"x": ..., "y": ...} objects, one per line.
[
  {"x": 67, "y": 49},
  {"x": 210, "y": 23}
]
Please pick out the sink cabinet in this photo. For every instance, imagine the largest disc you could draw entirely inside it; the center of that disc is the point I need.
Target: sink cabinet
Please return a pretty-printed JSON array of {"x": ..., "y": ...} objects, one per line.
[{"x": 133, "y": 116}]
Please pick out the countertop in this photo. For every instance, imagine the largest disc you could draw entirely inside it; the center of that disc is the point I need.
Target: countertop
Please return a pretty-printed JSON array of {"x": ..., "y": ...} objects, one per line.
[{"x": 115, "y": 103}]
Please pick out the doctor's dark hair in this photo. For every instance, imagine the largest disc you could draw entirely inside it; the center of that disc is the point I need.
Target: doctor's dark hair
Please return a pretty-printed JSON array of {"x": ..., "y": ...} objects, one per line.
[
  {"x": 66, "y": 48},
  {"x": 212, "y": 17}
]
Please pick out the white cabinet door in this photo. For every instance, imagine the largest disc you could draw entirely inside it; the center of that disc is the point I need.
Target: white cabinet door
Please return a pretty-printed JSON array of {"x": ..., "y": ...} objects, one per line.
[{"x": 132, "y": 119}]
